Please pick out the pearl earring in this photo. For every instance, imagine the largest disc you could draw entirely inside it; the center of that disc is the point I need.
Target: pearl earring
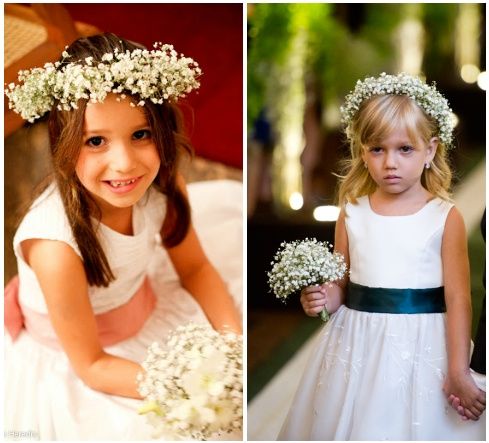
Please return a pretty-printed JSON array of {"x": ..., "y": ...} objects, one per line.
[{"x": 427, "y": 165}]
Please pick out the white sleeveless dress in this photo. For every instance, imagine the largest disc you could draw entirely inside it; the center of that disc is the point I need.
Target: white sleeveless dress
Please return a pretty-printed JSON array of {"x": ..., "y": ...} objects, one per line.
[
  {"x": 379, "y": 376},
  {"x": 44, "y": 399}
]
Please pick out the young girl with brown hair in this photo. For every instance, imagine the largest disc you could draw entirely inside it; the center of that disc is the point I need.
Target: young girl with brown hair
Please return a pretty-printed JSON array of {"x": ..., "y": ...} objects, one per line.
[
  {"x": 398, "y": 341},
  {"x": 95, "y": 287}
]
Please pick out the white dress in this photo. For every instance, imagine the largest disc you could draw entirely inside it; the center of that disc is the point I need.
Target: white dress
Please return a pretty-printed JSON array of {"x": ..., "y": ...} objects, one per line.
[
  {"x": 44, "y": 399},
  {"x": 379, "y": 376}
]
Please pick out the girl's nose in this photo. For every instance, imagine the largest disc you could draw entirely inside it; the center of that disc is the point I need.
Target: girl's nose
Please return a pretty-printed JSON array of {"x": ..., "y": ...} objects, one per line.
[
  {"x": 390, "y": 160},
  {"x": 122, "y": 158}
]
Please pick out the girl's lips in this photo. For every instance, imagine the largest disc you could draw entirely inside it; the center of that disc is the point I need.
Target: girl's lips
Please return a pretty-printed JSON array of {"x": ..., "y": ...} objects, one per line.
[
  {"x": 392, "y": 178},
  {"x": 120, "y": 186}
]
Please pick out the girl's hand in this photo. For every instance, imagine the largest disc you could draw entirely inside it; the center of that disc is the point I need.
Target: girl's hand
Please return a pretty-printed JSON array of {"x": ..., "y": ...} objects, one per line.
[
  {"x": 464, "y": 395},
  {"x": 315, "y": 298},
  {"x": 225, "y": 329},
  {"x": 329, "y": 295},
  {"x": 455, "y": 403}
]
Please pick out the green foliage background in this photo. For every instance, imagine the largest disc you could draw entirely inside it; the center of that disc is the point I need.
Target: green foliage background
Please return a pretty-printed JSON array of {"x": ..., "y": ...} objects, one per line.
[{"x": 337, "y": 56}]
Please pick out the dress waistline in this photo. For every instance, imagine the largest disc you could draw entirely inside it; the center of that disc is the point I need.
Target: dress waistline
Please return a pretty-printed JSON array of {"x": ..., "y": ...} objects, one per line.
[
  {"x": 113, "y": 326},
  {"x": 395, "y": 301}
]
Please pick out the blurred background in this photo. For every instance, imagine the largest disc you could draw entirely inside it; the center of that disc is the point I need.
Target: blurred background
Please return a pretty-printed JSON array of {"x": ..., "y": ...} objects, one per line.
[
  {"x": 212, "y": 34},
  {"x": 302, "y": 61}
]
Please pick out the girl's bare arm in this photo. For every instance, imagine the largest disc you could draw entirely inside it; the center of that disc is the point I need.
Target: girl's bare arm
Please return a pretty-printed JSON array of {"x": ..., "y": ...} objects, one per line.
[
  {"x": 62, "y": 278},
  {"x": 459, "y": 314},
  {"x": 201, "y": 279}
]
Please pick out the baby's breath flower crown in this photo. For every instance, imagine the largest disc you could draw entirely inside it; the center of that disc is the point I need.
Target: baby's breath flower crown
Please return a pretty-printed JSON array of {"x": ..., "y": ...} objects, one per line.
[
  {"x": 426, "y": 96},
  {"x": 158, "y": 75}
]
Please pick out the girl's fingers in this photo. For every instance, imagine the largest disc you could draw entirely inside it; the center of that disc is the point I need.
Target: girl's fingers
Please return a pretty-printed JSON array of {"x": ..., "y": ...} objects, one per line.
[
  {"x": 482, "y": 397},
  {"x": 312, "y": 298},
  {"x": 312, "y": 312},
  {"x": 312, "y": 290},
  {"x": 470, "y": 415},
  {"x": 317, "y": 309},
  {"x": 479, "y": 406},
  {"x": 454, "y": 401},
  {"x": 316, "y": 303}
]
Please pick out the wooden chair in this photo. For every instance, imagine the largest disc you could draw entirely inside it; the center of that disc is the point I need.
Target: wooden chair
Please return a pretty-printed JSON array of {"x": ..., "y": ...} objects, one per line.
[{"x": 35, "y": 35}]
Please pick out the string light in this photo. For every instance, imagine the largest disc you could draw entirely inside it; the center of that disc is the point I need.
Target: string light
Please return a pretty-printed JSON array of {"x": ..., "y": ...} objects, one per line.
[
  {"x": 326, "y": 213},
  {"x": 296, "y": 201}
]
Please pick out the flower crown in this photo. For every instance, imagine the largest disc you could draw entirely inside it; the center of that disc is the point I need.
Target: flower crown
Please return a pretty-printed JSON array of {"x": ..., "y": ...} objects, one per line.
[
  {"x": 158, "y": 75},
  {"x": 426, "y": 96}
]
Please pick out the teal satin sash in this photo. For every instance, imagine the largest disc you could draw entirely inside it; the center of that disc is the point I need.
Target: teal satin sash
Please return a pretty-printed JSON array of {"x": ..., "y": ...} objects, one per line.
[{"x": 395, "y": 301}]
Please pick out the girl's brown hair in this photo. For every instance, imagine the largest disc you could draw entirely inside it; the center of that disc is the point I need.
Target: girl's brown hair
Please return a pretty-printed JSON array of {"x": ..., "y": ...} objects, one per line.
[
  {"x": 66, "y": 139},
  {"x": 375, "y": 119}
]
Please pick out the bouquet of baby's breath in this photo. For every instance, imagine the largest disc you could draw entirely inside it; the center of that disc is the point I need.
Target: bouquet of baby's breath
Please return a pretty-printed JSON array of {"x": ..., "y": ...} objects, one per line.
[
  {"x": 299, "y": 264},
  {"x": 193, "y": 386}
]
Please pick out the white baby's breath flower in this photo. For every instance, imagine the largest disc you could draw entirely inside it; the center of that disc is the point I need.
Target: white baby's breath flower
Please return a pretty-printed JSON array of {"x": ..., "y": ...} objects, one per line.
[
  {"x": 193, "y": 384},
  {"x": 144, "y": 74},
  {"x": 426, "y": 96},
  {"x": 299, "y": 264}
]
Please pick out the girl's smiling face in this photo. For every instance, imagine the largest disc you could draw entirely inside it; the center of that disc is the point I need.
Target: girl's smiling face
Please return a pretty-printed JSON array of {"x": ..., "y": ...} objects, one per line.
[
  {"x": 119, "y": 159},
  {"x": 396, "y": 163}
]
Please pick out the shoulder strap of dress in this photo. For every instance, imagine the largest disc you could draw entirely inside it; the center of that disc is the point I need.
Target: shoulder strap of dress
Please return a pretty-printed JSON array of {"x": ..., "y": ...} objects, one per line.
[
  {"x": 360, "y": 206},
  {"x": 443, "y": 206},
  {"x": 46, "y": 219}
]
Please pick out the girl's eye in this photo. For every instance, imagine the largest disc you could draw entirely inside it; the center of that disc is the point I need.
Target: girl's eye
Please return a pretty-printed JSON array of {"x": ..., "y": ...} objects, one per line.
[
  {"x": 142, "y": 134},
  {"x": 95, "y": 142},
  {"x": 406, "y": 149},
  {"x": 376, "y": 149}
]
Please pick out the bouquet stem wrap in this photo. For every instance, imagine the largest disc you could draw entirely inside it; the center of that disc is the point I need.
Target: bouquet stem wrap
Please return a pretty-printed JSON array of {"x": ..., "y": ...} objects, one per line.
[{"x": 324, "y": 314}]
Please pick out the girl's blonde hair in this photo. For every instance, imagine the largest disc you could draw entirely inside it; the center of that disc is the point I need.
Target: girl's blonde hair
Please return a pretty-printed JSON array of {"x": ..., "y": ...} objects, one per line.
[{"x": 376, "y": 118}]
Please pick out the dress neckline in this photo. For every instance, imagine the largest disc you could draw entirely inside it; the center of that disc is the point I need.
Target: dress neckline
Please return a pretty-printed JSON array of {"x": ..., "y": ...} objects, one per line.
[
  {"x": 369, "y": 206},
  {"x": 138, "y": 225}
]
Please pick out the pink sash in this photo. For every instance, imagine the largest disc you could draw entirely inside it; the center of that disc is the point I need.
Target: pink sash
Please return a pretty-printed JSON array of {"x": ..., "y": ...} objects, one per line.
[{"x": 113, "y": 326}]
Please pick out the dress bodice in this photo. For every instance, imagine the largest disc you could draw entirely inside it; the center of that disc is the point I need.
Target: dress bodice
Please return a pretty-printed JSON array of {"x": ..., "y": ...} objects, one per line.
[
  {"x": 128, "y": 256},
  {"x": 396, "y": 251}
]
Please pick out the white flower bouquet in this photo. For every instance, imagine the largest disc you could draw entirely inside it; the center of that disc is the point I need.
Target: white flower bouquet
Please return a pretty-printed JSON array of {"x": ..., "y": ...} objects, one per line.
[
  {"x": 299, "y": 264},
  {"x": 193, "y": 386}
]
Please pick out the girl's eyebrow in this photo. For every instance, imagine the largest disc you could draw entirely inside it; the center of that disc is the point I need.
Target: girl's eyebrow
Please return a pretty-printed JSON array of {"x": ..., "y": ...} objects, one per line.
[
  {"x": 141, "y": 125},
  {"x": 96, "y": 131},
  {"x": 397, "y": 142}
]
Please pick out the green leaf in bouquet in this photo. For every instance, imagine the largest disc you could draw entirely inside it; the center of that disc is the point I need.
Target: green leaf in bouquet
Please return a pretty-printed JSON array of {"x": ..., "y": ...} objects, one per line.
[{"x": 150, "y": 406}]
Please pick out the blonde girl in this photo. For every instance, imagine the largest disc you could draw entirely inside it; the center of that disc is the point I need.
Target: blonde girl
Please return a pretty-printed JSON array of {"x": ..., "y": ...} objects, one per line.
[
  {"x": 107, "y": 255},
  {"x": 400, "y": 334}
]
